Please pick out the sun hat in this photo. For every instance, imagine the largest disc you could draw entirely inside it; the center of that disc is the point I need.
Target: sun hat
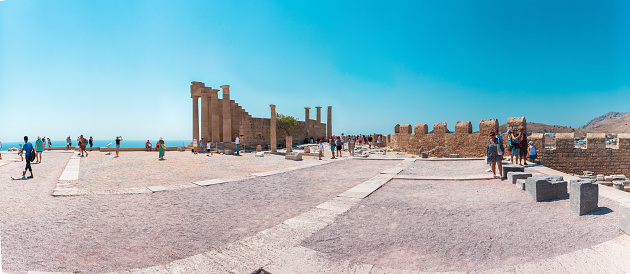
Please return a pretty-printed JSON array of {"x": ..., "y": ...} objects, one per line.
[
  {"x": 161, "y": 139},
  {"x": 39, "y": 138},
  {"x": 530, "y": 142},
  {"x": 509, "y": 130}
]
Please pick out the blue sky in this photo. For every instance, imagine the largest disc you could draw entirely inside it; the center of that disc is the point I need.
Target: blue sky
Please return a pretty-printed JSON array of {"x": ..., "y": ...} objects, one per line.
[{"x": 118, "y": 67}]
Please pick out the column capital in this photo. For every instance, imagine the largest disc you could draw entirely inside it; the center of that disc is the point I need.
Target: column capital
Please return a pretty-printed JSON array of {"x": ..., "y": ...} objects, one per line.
[
  {"x": 318, "y": 107},
  {"x": 329, "y": 107},
  {"x": 215, "y": 91},
  {"x": 272, "y": 106},
  {"x": 225, "y": 86},
  {"x": 307, "y": 108}
]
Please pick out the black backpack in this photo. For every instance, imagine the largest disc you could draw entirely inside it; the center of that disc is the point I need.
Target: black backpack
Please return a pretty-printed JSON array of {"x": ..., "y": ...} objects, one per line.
[{"x": 31, "y": 157}]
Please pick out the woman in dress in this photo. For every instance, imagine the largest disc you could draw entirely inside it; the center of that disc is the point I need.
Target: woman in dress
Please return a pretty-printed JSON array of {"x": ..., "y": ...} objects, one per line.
[
  {"x": 162, "y": 148},
  {"x": 493, "y": 151}
]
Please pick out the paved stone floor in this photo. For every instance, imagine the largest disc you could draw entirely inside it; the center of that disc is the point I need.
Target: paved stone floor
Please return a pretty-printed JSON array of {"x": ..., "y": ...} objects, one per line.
[{"x": 343, "y": 216}]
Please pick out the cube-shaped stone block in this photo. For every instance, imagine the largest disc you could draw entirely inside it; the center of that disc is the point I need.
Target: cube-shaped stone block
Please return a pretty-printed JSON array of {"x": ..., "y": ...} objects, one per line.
[
  {"x": 513, "y": 176},
  {"x": 545, "y": 188},
  {"x": 618, "y": 185},
  {"x": 511, "y": 168},
  {"x": 624, "y": 217},
  {"x": 453, "y": 156},
  {"x": 520, "y": 183},
  {"x": 307, "y": 150},
  {"x": 584, "y": 196},
  {"x": 295, "y": 156}
]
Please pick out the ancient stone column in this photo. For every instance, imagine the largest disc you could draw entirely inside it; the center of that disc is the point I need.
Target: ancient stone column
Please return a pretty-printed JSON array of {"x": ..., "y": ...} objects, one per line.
[
  {"x": 272, "y": 129},
  {"x": 319, "y": 114},
  {"x": 289, "y": 144},
  {"x": 195, "y": 117},
  {"x": 205, "y": 122},
  {"x": 214, "y": 101},
  {"x": 329, "y": 124},
  {"x": 227, "y": 114},
  {"x": 306, "y": 120}
]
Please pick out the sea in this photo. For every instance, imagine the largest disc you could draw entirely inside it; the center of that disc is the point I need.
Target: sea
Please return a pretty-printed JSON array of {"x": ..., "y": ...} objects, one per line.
[{"x": 101, "y": 143}]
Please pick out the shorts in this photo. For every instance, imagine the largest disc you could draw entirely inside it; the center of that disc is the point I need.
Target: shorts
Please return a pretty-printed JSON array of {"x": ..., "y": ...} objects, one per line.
[
  {"x": 332, "y": 148},
  {"x": 83, "y": 147},
  {"x": 338, "y": 148},
  {"x": 351, "y": 147},
  {"x": 208, "y": 150},
  {"x": 194, "y": 145},
  {"x": 516, "y": 151},
  {"x": 117, "y": 146},
  {"x": 533, "y": 157},
  {"x": 523, "y": 152}
]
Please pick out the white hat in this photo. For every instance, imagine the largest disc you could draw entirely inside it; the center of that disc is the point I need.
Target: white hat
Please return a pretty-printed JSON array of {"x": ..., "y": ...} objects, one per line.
[
  {"x": 530, "y": 142},
  {"x": 161, "y": 139}
]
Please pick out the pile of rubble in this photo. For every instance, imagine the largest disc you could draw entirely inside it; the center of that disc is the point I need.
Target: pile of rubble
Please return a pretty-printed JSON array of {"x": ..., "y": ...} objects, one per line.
[{"x": 617, "y": 181}]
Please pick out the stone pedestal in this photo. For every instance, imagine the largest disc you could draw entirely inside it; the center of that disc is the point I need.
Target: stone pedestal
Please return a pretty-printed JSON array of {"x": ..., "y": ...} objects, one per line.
[
  {"x": 272, "y": 129},
  {"x": 513, "y": 176},
  {"x": 520, "y": 183},
  {"x": 307, "y": 150},
  {"x": 546, "y": 188},
  {"x": 584, "y": 196},
  {"x": 511, "y": 168},
  {"x": 295, "y": 156},
  {"x": 425, "y": 155},
  {"x": 289, "y": 144}
]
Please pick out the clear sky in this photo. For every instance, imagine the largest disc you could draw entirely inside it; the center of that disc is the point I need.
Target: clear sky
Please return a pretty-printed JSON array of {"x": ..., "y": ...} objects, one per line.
[{"x": 121, "y": 67}]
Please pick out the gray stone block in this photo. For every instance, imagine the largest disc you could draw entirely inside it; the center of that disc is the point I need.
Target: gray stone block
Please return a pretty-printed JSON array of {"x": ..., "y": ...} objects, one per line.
[
  {"x": 546, "y": 188},
  {"x": 584, "y": 196},
  {"x": 618, "y": 185},
  {"x": 260, "y": 154},
  {"x": 425, "y": 155},
  {"x": 513, "y": 176},
  {"x": 624, "y": 217},
  {"x": 453, "y": 156},
  {"x": 511, "y": 168},
  {"x": 520, "y": 183},
  {"x": 295, "y": 156}
]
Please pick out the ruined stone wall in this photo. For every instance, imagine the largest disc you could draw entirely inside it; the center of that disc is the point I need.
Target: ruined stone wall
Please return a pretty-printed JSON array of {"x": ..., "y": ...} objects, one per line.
[
  {"x": 595, "y": 157},
  {"x": 257, "y": 131},
  {"x": 439, "y": 143}
]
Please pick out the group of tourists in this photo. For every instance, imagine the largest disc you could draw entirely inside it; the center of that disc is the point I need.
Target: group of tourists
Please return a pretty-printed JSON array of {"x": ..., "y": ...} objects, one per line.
[
  {"x": 198, "y": 146},
  {"x": 338, "y": 143},
  {"x": 518, "y": 147}
]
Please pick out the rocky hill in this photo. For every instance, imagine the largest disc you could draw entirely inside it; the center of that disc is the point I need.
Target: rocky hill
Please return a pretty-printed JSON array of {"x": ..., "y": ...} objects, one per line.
[
  {"x": 611, "y": 122},
  {"x": 544, "y": 128}
]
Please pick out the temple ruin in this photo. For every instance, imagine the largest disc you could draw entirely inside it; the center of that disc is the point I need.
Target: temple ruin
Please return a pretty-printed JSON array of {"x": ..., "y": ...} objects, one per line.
[{"x": 221, "y": 119}]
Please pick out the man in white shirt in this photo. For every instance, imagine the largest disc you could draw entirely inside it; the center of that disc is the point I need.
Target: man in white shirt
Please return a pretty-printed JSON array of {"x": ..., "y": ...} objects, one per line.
[{"x": 238, "y": 142}]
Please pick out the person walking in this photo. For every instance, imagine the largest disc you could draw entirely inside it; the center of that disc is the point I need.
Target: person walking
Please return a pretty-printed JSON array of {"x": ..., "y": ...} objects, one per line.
[
  {"x": 91, "y": 141},
  {"x": 68, "y": 142},
  {"x": 83, "y": 145},
  {"x": 21, "y": 153},
  {"x": 118, "y": 139},
  {"x": 162, "y": 148},
  {"x": 49, "y": 145},
  {"x": 339, "y": 145},
  {"x": 39, "y": 148},
  {"x": 238, "y": 144},
  {"x": 523, "y": 146},
  {"x": 492, "y": 153},
  {"x": 321, "y": 149},
  {"x": 351, "y": 142},
  {"x": 28, "y": 151},
  {"x": 195, "y": 149},
  {"x": 201, "y": 145},
  {"x": 209, "y": 146},
  {"x": 332, "y": 144}
]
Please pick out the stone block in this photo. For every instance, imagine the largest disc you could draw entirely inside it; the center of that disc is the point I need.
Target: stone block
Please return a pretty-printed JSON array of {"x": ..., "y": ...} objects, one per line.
[
  {"x": 260, "y": 154},
  {"x": 295, "y": 156},
  {"x": 513, "y": 176},
  {"x": 511, "y": 168},
  {"x": 546, "y": 188},
  {"x": 453, "y": 156},
  {"x": 421, "y": 129},
  {"x": 462, "y": 127},
  {"x": 520, "y": 183},
  {"x": 425, "y": 155},
  {"x": 584, "y": 196},
  {"x": 600, "y": 177},
  {"x": 618, "y": 185},
  {"x": 624, "y": 217},
  {"x": 608, "y": 178},
  {"x": 405, "y": 129},
  {"x": 307, "y": 150},
  {"x": 258, "y": 148},
  {"x": 228, "y": 151}
]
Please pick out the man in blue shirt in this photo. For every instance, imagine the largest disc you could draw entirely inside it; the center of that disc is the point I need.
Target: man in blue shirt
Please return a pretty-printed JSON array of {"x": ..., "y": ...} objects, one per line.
[{"x": 27, "y": 148}]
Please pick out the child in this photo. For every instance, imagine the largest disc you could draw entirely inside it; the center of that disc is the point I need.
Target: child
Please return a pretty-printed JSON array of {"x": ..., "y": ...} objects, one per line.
[
  {"x": 532, "y": 152},
  {"x": 321, "y": 149},
  {"x": 21, "y": 153},
  {"x": 208, "y": 152}
]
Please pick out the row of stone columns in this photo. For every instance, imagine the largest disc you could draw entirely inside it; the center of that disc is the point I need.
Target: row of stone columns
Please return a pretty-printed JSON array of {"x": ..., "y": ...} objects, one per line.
[
  {"x": 210, "y": 118},
  {"x": 272, "y": 137}
]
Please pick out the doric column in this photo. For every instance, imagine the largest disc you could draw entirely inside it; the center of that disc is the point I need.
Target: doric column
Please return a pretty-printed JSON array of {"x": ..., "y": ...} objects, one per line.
[
  {"x": 306, "y": 121},
  {"x": 319, "y": 114},
  {"x": 195, "y": 117},
  {"x": 214, "y": 101},
  {"x": 205, "y": 115},
  {"x": 272, "y": 128},
  {"x": 227, "y": 114},
  {"x": 329, "y": 124}
]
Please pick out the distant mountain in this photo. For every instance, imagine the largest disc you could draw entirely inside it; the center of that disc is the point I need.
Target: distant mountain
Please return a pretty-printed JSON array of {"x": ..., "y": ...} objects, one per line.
[
  {"x": 611, "y": 122},
  {"x": 544, "y": 128}
]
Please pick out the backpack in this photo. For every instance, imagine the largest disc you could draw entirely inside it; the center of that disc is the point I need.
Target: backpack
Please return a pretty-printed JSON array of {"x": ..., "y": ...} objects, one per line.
[{"x": 31, "y": 157}]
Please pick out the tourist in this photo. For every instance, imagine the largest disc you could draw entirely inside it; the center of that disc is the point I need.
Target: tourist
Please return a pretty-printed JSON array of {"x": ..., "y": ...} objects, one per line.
[
  {"x": 91, "y": 141},
  {"x": 118, "y": 139},
  {"x": 162, "y": 148},
  {"x": 148, "y": 146},
  {"x": 39, "y": 148},
  {"x": 321, "y": 149},
  {"x": 238, "y": 143},
  {"x": 516, "y": 147},
  {"x": 370, "y": 141},
  {"x": 351, "y": 145},
  {"x": 21, "y": 153},
  {"x": 532, "y": 152},
  {"x": 194, "y": 145},
  {"x": 201, "y": 145},
  {"x": 49, "y": 145},
  {"x": 209, "y": 146},
  {"x": 523, "y": 146},
  {"x": 492, "y": 153},
  {"x": 68, "y": 142},
  {"x": 510, "y": 144},
  {"x": 339, "y": 144},
  {"x": 360, "y": 138},
  {"x": 28, "y": 148},
  {"x": 332, "y": 144},
  {"x": 343, "y": 140},
  {"x": 83, "y": 145},
  {"x": 379, "y": 141},
  {"x": 312, "y": 140}
]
